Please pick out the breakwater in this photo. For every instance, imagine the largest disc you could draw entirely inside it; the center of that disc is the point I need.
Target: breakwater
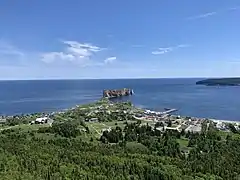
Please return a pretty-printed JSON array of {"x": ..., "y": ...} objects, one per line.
[{"x": 117, "y": 93}]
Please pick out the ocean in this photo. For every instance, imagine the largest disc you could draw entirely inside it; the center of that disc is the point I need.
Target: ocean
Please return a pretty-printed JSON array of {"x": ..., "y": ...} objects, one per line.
[{"x": 223, "y": 102}]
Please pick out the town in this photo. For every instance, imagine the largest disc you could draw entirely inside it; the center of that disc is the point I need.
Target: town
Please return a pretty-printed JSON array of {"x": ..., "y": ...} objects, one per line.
[{"x": 105, "y": 115}]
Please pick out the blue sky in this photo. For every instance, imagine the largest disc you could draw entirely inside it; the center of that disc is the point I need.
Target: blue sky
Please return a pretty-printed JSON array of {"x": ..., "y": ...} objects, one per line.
[{"x": 77, "y": 39}]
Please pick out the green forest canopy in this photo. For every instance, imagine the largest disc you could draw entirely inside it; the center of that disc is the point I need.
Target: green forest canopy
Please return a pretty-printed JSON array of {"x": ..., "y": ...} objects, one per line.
[{"x": 136, "y": 151}]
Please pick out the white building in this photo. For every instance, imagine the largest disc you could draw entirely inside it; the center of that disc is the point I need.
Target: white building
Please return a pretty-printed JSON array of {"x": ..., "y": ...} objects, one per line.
[
  {"x": 2, "y": 120},
  {"x": 194, "y": 128},
  {"x": 93, "y": 120},
  {"x": 41, "y": 120}
]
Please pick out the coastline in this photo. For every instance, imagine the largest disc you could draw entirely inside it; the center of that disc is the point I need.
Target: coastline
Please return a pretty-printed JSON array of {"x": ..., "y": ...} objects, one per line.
[
  {"x": 49, "y": 113},
  {"x": 191, "y": 100},
  {"x": 225, "y": 121}
]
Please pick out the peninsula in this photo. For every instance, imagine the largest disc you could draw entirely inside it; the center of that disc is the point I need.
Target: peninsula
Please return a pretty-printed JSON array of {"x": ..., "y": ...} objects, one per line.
[
  {"x": 116, "y": 140},
  {"x": 220, "y": 82}
]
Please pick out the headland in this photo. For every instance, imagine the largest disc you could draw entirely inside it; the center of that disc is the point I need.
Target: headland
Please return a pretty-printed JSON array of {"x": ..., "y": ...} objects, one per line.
[{"x": 220, "y": 82}]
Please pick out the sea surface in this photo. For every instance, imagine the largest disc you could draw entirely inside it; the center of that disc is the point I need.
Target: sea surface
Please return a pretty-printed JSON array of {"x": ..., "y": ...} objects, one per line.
[{"x": 18, "y": 97}]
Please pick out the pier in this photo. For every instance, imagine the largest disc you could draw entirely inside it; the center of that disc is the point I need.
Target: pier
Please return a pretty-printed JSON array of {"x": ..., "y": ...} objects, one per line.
[
  {"x": 160, "y": 114},
  {"x": 169, "y": 111}
]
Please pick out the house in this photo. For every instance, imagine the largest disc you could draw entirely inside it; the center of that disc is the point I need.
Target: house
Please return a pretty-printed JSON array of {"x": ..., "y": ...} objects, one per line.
[
  {"x": 194, "y": 128},
  {"x": 92, "y": 120},
  {"x": 41, "y": 120},
  {"x": 2, "y": 120},
  {"x": 172, "y": 129},
  {"x": 220, "y": 125}
]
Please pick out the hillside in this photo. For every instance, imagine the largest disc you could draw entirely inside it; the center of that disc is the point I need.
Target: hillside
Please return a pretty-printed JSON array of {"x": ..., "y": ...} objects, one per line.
[
  {"x": 220, "y": 82},
  {"x": 103, "y": 140}
]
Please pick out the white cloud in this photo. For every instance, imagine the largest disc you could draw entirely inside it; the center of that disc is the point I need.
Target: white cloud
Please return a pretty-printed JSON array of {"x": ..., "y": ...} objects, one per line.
[
  {"x": 234, "y": 8},
  {"x": 162, "y": 50},
  {"x": 110, "y": 60},
  {"x": 183, "y": 45},
  {"x": 8, "y": 49},
  {"x": 85, "y": 46},
  {"x": 168, "y": 49},
  {"x": 73, "y": 52},
  {"x": 52, "y": 56},
  {"x": 205, "y": 15}
]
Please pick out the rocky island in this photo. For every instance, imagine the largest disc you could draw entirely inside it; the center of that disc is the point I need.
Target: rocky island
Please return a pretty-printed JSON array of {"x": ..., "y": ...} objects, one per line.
[
  {"x": 117, "y": 93},
  {"x": 220, "y": 82}
]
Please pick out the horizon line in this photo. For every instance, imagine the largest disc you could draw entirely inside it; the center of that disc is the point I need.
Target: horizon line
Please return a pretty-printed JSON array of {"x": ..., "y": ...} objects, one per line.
[{"x": 137, "y": 78}]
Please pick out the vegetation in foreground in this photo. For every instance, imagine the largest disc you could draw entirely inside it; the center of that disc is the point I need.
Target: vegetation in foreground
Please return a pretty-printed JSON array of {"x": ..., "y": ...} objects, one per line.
[
  {"x": 131, "y": 149},
  {"x": 135, "y": 151}
]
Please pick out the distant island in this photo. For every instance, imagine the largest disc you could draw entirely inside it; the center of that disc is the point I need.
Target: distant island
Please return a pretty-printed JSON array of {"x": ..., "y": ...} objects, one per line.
[{"x": 220, "y": 82}]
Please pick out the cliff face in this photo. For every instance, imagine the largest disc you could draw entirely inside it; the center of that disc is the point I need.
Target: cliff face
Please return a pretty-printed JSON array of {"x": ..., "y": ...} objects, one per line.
[{"x": 117, "y": 93}]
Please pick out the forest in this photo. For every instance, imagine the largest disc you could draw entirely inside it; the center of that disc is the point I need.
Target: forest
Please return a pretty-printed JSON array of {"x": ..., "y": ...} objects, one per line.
[{"x": 137, "y": 151}]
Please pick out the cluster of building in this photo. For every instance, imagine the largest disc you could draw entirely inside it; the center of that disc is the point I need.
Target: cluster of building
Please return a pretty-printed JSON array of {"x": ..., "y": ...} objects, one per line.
[
  {"x": 3, "y": 120},
  {"x": 224, "y": 125},
  {"x": 171, "y": 122},
  {"x": 93, "y": 113}
]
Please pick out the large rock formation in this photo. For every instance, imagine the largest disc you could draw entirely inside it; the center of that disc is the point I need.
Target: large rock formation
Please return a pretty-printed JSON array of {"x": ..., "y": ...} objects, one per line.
[{"x": 117, "y": 93}]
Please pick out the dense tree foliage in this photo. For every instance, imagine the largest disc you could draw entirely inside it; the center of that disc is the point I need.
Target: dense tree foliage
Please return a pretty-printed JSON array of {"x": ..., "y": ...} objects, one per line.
[
  {"x": 136, "y": 152},
  {"x": 233, "y": 128}
]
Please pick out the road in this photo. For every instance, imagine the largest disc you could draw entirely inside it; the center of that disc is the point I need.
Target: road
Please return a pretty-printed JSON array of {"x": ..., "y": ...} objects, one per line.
[
  {"x": 94, "y": 129},
  {"x": 8, "y": 127}
]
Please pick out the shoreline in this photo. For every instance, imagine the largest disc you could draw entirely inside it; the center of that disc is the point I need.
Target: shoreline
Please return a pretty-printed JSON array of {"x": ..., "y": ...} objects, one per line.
[
  {"x": 49, "y": 113},
  {"x": 195, "y": 117},
  {"x": 225, "y": 121}
]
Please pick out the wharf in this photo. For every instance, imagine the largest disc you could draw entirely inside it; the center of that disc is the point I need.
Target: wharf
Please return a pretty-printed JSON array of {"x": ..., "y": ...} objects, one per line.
[{"x": 169, "y": 111}]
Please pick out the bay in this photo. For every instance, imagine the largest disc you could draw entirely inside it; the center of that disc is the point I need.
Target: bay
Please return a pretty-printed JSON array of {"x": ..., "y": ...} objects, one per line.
[{"x": 220, "y": 102}]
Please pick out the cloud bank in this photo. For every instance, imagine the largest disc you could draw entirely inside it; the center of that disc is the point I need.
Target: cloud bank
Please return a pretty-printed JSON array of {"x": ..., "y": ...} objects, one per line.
[{"x": 73, "y": 52}]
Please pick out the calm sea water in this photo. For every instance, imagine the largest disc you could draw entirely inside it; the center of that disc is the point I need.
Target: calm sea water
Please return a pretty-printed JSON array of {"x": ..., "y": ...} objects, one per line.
[{"x": 193, "y": 100}]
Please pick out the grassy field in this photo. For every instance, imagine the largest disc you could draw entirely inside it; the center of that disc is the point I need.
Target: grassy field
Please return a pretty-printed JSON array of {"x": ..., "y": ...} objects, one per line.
[
  {"x": 224, "y": 134},
  {"x": 26, "y": 127},
  {"x": 183, "y": 143},
  {"x": 45, "y": 136},
  {"x": 98, "y": 127}
]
